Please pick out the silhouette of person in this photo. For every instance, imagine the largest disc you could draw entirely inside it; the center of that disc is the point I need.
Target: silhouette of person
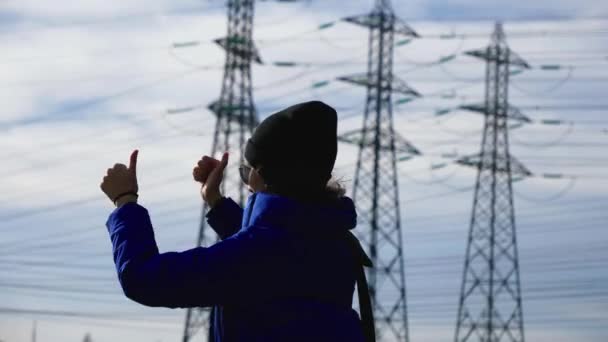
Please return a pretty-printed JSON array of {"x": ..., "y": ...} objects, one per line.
[{"x": 287, "y": 264}]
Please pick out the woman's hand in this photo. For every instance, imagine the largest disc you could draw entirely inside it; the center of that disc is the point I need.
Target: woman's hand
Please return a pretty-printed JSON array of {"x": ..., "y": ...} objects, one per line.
[
  {"x": 210, "y": 173},
  {"x": 120, "y": 182}
]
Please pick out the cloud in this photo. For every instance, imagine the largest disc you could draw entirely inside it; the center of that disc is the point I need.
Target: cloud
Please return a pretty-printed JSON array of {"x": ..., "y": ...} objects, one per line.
[
  {"x": 87, "y": 82},
  {"x": 90, "y": 9}
]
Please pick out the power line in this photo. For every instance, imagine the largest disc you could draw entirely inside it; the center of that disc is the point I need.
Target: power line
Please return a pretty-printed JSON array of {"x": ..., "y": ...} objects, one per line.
[
  {"x": 543, "y": 214},
  {"x": 82, "y": 202},
  {"x": 102, "y": 99},
  {"x": 119, "y": 316},
  {"x": 88, "y": 229},
  {"x": 18, "y": 245}
]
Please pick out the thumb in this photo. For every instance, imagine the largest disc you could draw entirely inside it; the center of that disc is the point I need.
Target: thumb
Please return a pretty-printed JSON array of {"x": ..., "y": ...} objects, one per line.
[
  {"x": 224, "y": 161},
  {"x": 215, "y": 177},
  {"x": 133, "y": 162}
]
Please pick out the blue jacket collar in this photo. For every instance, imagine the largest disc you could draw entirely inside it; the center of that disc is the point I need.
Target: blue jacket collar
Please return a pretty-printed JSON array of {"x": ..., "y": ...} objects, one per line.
[{"x": 274, "y": 211}]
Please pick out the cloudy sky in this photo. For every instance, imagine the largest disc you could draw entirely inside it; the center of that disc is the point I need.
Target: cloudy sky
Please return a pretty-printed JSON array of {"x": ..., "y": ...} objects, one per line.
[{"x": 84, "y": 83}]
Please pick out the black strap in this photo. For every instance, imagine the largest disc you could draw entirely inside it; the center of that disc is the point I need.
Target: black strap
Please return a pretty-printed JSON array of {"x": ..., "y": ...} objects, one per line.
[
  {"x": 365, "y": 303},
  {"x": 365, "y": 306}
]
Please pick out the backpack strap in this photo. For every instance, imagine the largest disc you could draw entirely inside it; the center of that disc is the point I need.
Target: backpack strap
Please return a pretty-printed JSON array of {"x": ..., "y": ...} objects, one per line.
[{"x": 365, "y": 303}]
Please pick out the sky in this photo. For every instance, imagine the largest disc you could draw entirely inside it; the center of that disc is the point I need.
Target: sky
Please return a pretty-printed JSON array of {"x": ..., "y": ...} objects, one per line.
[{"x": 85, "y": 83}]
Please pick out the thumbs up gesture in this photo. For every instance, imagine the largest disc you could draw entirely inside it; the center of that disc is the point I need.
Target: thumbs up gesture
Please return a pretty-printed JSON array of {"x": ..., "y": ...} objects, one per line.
[
  {"x": 120, "y": 182},
  {"x": 210, "y": 173}
]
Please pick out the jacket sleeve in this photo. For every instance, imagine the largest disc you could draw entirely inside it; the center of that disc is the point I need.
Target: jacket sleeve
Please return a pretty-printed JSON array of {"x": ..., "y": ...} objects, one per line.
[
  {"x": 197, "y": 277},
  {"x": 225, "y": 218}
]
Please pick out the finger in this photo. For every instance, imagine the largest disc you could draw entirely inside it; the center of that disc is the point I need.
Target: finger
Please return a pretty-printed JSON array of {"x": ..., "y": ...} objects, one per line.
[
  {"x": 120, "y": 167},
  {"x": 224, "y": 161},
  {"x": 205, "y": 171},
  {"x": 222, "y": 165},
  {"x": 206, "y": 166},
  {"x": 215, "y": 177},
  {"x": 197, "y": 174},
  {"x": 208, "y": 161},
  {"x": 110, "y": 171},
  {"x": 133, "y": 162}
]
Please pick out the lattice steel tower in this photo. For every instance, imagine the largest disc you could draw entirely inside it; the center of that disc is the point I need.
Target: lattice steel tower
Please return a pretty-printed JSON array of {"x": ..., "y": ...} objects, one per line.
[
  {"x": 490, "y": 307},
  {"x": 376, "y": 190},
  {"x": 236, "y": 118}
]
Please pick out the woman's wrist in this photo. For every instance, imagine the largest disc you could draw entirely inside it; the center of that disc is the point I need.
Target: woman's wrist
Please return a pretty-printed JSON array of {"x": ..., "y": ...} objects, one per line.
[
  {"x": 214, "y": 200},
  {"x": 126, "y": 199}
]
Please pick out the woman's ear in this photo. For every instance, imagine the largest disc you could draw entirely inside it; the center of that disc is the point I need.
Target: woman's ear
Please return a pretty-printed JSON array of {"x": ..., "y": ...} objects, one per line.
[
  {"x": 266, "y": 186},
  {"x": 260, "y": 172},
  {"x": 256, "y": 180}
]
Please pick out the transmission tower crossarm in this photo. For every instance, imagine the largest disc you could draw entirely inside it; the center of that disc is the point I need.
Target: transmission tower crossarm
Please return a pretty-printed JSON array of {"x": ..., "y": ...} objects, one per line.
[
  {"x": 513, "y": 113},
  {"x": 396, "y": 86},
  {"x": 366, "y": 139}
]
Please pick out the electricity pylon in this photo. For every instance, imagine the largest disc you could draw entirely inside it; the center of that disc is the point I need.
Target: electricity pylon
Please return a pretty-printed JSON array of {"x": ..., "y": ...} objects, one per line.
[
  {"x": 376, "y": 190},
  {"x": 490, "y": 306},
  {"x": 236, "y": 118}
]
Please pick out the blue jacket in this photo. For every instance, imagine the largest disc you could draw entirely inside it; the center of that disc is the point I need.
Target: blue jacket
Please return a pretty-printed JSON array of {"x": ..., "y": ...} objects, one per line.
[{"x": 284, "y": 270}]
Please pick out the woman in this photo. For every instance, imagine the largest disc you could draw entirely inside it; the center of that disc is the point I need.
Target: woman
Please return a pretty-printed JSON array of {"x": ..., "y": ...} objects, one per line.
[{"x": 286, "y": 266}]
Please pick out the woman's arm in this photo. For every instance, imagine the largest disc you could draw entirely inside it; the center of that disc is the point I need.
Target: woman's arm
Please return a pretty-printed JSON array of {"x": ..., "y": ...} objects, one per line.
[
  {"x": 225, "y": 218},
  {"x": 195, "y": 278},
  {"x": 225, "y": 215}
]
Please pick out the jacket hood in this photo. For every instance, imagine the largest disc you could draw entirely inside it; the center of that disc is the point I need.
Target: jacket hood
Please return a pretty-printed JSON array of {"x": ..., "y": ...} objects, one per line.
[{"x": 276, "y": 211}]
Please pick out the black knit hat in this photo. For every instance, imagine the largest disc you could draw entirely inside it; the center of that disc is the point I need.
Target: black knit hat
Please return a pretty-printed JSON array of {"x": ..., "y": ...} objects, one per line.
[{"x": 296, "y": 147}]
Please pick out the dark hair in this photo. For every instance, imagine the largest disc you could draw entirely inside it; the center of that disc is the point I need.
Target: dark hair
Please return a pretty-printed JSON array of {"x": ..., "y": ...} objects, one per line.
[{"x": 335, "y": 189}]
